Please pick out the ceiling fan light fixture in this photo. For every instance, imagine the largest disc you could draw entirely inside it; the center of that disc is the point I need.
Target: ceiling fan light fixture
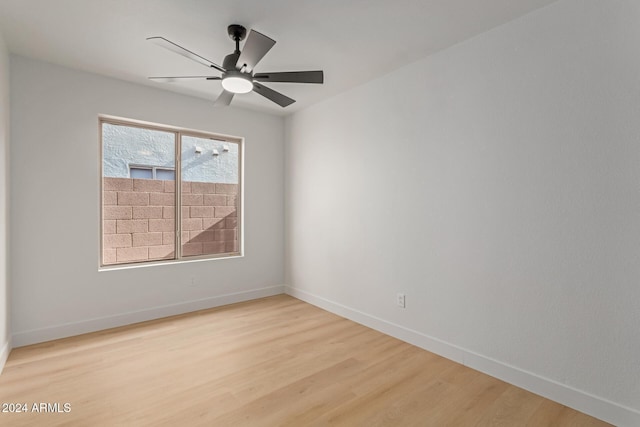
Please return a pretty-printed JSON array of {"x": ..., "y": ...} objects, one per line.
[{"x": 237, "y": 84}]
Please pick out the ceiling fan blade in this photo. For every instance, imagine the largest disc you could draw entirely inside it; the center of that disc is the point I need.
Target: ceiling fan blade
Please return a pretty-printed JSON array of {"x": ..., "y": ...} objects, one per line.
[
  {"x": 292, "y": 77},
  {"x": 177, "y": 78},
  {"x": 167, "y": 44},
  {"x": 272, "y": 95},
  {"x": 224, "y": 99},
  {"x": 256, "y": 47}
]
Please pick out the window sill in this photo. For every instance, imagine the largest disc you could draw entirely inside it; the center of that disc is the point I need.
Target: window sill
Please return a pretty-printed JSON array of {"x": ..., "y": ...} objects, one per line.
[{"x": 167, "y": 262}]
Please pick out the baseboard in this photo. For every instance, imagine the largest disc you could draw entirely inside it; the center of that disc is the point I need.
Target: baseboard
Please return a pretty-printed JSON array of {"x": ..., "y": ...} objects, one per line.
[
  {"x": 4, "y": 354},
  {"x": 35, "y": 336},
  {"x": 595, "y": 406}
]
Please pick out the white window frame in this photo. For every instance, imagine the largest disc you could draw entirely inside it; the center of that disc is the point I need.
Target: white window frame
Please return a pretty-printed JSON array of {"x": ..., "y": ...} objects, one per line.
[{"x": 179, "y": 132}]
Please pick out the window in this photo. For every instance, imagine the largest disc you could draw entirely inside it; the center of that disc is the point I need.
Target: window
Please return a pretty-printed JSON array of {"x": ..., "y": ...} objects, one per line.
[
  {"x": 140, "y": 172},
  {"x": 149, "y": 212},
  {"x": 166, "y": 174},
  {"x": 151, "y": 172}
]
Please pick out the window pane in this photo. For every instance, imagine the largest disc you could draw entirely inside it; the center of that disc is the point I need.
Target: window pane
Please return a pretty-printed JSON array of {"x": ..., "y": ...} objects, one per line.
[
  {"x": 138, "y": 214},
  {"x": 141, "y": 173},
  {"x": 210, "y": 196},
  {"x": 166, "y": 174}
]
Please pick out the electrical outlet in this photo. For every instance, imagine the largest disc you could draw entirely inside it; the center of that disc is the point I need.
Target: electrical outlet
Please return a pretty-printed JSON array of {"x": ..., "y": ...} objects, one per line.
[{"x": 400, "y": 300}]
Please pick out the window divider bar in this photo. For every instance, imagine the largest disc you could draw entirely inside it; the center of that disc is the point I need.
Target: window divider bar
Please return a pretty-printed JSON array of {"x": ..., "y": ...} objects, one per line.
[{"x": 178, "y": 198}]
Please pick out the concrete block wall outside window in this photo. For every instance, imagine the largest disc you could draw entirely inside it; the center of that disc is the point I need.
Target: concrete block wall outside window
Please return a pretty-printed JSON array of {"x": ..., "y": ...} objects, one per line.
[{"x": 139, "y": 219}]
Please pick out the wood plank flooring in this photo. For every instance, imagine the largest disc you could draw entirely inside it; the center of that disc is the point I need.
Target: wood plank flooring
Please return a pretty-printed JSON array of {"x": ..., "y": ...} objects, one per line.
[{"x": 271, "y": 362}]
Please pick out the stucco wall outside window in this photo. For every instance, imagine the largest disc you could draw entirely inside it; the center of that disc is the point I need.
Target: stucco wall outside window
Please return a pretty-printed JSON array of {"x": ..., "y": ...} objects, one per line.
[{"x": 203, "y": 160}]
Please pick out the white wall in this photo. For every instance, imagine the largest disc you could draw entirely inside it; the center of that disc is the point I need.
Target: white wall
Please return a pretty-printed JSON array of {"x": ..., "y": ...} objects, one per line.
[
  {"x": 497, "y": 184},
  {"x": 5, "y": 334},
  {"x": 57, "y": 289}
]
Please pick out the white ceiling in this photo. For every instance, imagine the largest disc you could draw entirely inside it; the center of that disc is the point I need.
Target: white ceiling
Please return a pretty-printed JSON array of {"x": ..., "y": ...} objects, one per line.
[{"x": 353, "y": 41}]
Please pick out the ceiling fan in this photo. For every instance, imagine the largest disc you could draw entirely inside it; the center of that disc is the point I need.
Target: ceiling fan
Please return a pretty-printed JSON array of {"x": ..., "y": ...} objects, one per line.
[{"x": 237, "y": 68}]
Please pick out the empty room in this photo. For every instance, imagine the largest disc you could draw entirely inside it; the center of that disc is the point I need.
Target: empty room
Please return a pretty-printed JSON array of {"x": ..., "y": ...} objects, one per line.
[{"x": 301, "y": 213}]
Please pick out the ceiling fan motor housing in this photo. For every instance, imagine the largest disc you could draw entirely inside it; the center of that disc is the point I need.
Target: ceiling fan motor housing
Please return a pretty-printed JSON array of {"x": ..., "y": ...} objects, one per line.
[
  {"x": 235, "y": 80},
  {"x": 230, "y": 61}
]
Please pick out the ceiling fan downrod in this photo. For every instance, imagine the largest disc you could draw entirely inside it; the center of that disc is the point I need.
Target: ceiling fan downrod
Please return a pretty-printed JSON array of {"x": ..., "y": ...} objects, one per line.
[{"x": 237, "y": 34}]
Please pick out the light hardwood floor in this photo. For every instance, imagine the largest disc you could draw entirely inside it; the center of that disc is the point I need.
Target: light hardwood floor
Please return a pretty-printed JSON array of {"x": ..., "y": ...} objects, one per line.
[{"x": 274, "y": 361}]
